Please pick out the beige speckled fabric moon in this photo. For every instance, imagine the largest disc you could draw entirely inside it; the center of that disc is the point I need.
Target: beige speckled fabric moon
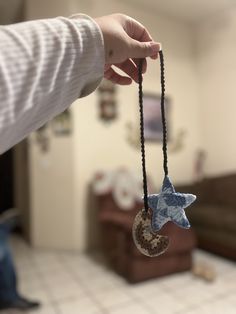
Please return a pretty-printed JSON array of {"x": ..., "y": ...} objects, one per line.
[
  {"x": 148, "y": 242},
  {"x": 45, "y": 65}
]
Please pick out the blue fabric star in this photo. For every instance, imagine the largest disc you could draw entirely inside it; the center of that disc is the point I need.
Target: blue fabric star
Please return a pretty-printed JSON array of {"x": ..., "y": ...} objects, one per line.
[{"x": 169, "y": 206}]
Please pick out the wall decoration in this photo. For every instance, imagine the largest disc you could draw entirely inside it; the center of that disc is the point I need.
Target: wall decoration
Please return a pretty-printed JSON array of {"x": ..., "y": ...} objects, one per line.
[
  {"x": 152, "y": 116},
  {"x": 133, "y": 134},
  {"x": 152, "y": 113},
  {"x": 42, "y": 138},
  {"x": 199, "y": 165},
  {"x": 62, "y": 124},
  {"x": 177, "y": 141},
  {"x": 107, "y": 101},
  {"x": 176, "y": 144}
]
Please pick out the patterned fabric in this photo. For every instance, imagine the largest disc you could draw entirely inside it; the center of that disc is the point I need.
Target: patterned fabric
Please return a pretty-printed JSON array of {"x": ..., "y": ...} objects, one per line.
[
  {"x": 45, "y": 65},
  {"x": 169, "y": 206}
]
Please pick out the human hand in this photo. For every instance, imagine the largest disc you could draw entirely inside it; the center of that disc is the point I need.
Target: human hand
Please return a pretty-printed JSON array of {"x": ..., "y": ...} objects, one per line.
[{"x": 126, "y": 41}]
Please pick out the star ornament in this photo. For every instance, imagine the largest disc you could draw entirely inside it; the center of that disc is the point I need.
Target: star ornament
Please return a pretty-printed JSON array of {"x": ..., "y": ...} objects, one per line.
[{"x": 169, "y": 206}]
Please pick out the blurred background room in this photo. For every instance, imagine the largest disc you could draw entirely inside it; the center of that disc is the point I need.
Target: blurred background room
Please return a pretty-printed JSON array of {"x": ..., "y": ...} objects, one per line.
[{"x": 75, "y": 185}]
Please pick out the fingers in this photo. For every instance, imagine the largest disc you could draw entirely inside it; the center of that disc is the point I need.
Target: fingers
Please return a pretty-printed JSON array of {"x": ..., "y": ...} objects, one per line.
[
  {"x": 137, "y": 61},
  {"x": 116, "y": 78},
  {"x": 144, "y": 49},
  {"x": 139, "y": 33},
  {"x": 130, "y": 68}
]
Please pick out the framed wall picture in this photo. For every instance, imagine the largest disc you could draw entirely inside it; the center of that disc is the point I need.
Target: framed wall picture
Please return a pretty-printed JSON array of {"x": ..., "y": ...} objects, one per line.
[
  {"x": 62, "y": 124},
  {"x": 107, "y": 101},
  {"x": 152, "y": 116}
]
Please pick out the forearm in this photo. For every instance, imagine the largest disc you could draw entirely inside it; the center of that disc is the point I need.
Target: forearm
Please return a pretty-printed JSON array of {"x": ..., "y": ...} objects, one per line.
[{"x": 45, "y": 65}]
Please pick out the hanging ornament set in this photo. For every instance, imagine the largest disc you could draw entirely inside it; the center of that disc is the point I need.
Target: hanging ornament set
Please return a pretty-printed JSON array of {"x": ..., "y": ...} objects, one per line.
[{"x": 160, "y": 208}]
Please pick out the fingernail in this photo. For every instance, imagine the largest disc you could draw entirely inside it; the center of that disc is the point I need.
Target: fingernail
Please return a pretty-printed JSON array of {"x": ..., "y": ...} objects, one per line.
[{"x": 155, "y": 47}]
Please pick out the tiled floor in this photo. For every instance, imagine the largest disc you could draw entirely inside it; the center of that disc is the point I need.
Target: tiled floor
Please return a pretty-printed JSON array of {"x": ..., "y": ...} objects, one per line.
[{"x": 76, "y": 284}]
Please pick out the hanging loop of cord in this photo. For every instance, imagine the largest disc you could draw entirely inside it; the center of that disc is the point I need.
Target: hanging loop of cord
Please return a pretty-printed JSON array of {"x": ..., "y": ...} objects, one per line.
[{"x": 164, "y": 126}]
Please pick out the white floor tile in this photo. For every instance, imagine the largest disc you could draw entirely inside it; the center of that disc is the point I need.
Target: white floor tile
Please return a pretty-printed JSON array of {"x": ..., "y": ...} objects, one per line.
[
  {"x": 164, "y": 303},
  {"x": 68, "y": 283},
  {"x": 40, "y": 295},
  {"x": 44, "y": 310},
  {"x": 176, "y": 281},
  {"x": 62, "y": 294},
  {"x": 131, "y": 308},
  {"x": 111, "y": 298},
  {"x": 84, "y": 305},
  {"x": 146, "y": 289},
  {"x": 30, "y": 283}
]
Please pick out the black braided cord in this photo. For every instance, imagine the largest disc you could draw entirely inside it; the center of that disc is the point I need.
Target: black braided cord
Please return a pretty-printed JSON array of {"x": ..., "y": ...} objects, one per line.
[
  {"x": 142, "y": 140},
  {"x": 164, "y": 126}
]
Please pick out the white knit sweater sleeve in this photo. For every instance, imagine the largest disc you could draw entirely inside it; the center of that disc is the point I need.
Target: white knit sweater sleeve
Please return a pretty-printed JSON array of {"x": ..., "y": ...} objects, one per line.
[{"x": 45, "y": 65}]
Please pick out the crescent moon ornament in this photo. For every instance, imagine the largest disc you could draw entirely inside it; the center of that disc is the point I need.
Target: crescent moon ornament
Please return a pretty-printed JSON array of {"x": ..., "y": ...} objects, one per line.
[{"x": 147, "y": 241}]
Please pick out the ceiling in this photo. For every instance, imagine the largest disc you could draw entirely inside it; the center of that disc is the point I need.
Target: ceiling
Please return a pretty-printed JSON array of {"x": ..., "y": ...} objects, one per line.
[{"x": 188, "y": 10}]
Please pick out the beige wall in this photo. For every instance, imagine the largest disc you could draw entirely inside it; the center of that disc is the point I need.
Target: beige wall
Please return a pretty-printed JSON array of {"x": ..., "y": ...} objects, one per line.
[
  {"x": 216, "y": 65},
  {"x": 98, "y": 146},
  {"x": 52, "y": 193}
]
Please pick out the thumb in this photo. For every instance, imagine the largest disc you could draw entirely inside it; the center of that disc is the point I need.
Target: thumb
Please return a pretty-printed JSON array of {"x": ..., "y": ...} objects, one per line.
[{"x": 143, "y": 49}]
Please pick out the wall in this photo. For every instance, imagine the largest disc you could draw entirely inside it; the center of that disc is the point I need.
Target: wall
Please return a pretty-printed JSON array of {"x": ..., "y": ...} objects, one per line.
[
  {"x": 102, "y": 146},
  {"x": 98, "y": 146},
  {"x": 216, "y": 68},
  {"x": 52, "y": 193}
]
